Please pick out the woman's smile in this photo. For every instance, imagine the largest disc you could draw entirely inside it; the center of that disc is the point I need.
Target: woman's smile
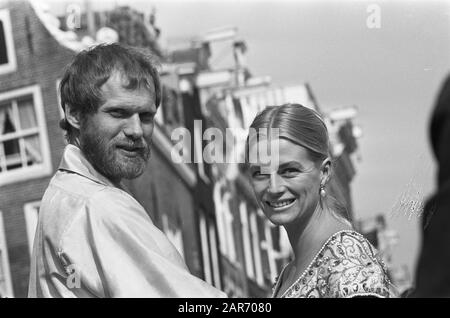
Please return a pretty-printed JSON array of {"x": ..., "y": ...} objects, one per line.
[{"x": 281, "y": 205}]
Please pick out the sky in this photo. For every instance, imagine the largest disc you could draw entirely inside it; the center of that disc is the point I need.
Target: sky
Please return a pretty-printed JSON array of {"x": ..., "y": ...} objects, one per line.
[{"x": 391, "y": 73}]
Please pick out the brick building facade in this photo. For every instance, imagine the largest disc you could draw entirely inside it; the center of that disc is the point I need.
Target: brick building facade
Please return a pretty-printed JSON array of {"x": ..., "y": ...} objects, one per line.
[
  {"x": 252, "y": 250},
  {"x": 29, "y": 109},
  {"x": 207, "y": 210}
]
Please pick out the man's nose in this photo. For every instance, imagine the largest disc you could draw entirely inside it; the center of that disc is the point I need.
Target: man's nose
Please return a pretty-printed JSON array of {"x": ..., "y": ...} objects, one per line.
[{"x": 133, "y": 128}]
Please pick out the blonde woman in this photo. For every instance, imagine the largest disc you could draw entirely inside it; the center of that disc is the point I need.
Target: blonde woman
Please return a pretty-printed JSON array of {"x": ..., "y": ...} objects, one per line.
[{"x": 330, "y": 259}]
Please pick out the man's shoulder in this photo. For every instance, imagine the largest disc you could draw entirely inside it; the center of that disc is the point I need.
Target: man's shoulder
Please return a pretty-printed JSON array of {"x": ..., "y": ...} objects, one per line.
[
  {"x": 72, "y": 184},
  {"x": 113, "y": 205},
  {"x": 68, "y": 191},
  {"x": 71, "y": 199}
]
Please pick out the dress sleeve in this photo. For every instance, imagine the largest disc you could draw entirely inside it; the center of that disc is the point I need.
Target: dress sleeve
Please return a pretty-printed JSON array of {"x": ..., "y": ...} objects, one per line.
[
  {"x": 355, "y": 271},
  {"x": 118, "y": 252}
]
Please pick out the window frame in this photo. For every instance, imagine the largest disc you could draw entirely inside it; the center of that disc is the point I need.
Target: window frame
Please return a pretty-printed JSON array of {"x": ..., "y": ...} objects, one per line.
[
  {"x": 247, "y": 241},
  {"x": 259, "y": 271},
  {"x": 210, "y": 253},
  {"x": 207, "y": 268},
  {"x": 11, "y": 66},
  {"x": 37, "y": 170},
  {"x": 4, "y": 259},
  {"x": 198, "y": 149}
]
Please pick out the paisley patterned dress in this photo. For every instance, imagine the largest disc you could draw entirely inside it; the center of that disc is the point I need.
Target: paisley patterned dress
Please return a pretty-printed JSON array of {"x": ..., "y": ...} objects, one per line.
[{"x": 346, "y": 266}]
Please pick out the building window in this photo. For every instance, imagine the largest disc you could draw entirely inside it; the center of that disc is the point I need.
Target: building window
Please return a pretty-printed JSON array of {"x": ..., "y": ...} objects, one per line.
[
  {"x": 214, "y": 255},
  {"x": 218, "y": 204},
  {"x": 210, "y": 255},
  {"x": 171, "y": 109},
  {"x": 31, "y": 211},
  {"x": 24, "y": 148},
  {"x": 248, "y": 255},
  {"x": 256, "y": 248},
  {"x": 6, "y": 289},
  {"x": 207, "y": 271},
  {"x": 228, "y": 220},
  {"x": 198, "y": 156},
  {"x": 7, "y": 52},
  {"x": 271, "y": 252},
  {"x": 225, "y": 223}
]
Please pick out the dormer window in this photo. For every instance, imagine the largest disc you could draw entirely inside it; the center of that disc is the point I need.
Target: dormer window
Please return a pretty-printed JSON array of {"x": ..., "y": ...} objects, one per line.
[{"x": 7, "y": 51}]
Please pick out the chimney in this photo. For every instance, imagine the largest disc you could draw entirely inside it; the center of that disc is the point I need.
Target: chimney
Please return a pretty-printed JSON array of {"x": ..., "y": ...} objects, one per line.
[{"x": 90, "y": 18}]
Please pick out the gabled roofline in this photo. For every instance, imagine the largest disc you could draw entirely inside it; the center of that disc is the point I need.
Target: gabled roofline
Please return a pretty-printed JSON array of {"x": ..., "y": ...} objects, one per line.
[{"x": 67, "y": 39}]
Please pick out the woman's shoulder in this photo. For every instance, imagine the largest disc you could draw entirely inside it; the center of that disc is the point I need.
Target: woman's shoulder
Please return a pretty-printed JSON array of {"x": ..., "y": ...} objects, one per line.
[
  {"x": 350, "y": 244},
  {"x": 352, "y": 267}
]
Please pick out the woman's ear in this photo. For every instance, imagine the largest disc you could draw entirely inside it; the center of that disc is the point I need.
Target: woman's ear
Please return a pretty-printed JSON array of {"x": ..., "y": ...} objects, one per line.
[
  {"x": 72, "y": 116},
  {"x": 325, "y": 171}
]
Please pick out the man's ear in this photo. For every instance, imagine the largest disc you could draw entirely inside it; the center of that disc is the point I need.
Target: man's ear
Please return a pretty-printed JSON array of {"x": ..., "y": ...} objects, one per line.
[
  {"x": 72, "y": 116},
  {"x": 325, "y": 171}
]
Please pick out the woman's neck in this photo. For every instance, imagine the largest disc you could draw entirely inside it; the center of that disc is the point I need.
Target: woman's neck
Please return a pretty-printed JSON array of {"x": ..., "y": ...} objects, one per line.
[{"x": 308, "y": 237}]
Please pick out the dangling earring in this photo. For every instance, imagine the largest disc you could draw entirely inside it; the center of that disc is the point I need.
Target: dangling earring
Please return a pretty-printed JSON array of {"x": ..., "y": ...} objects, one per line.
[{"x": 322, "y": 191}]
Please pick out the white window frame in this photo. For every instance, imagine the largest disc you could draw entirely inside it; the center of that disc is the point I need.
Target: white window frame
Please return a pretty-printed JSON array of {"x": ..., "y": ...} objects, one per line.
[
  {"x": 36, "y": 170},
  {"x": 11, "y": 66},
  {"x": 207, "y": 270},
  {"x": 256, "y": 248},
  {"x": 4, "y": 259},
  {"x": 198, "y": 143},
  {"x": 229, "y": 230},
  {"x": 271, "y": 252},
  {"x": 31, "y": 211},
  {"x": 217, "y": 196},
  {"x": 210, "y": 254},
  {"x": 215, "y": 256},
  {"x": 248, "y": 255},
  {"x": 232, "y": 119}
]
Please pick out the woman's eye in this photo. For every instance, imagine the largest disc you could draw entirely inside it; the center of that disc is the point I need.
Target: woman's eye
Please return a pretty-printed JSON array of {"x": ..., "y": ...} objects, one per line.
[{"x": 290, "y": 172}]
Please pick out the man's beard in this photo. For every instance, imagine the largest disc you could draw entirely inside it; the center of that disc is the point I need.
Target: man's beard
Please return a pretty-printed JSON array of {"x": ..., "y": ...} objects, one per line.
[{"x": 107, "y": 157}]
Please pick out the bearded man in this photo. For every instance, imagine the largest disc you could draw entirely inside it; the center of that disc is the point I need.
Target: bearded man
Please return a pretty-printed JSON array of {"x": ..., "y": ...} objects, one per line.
[{"x": 93, "y": 238}]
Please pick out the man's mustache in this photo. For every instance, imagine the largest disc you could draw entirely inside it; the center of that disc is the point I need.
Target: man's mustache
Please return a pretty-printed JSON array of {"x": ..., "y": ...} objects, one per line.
[
  {"x": 132, "y": 145},
  {"x": 140, "y": 146}
]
